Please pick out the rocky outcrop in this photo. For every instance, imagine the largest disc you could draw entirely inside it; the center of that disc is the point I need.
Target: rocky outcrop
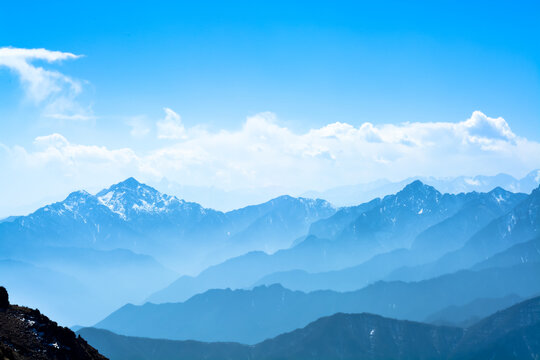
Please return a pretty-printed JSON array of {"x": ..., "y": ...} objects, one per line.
[
  {"x": 4, "y": 298},
  {"x": 27, "y": 334}
]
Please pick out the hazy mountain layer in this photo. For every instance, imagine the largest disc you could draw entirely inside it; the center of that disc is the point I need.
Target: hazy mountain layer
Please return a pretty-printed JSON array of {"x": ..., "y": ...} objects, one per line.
[
  {"x": 356, "y": 234},
  {"x": 341, "y": 336},
  {"x": 80, "y": 286},
  {"x": 356, "y": 194},
  {"x": 183, "y": 235},
  {"x": 250, "y": 316},
  {"x": 508, "y": 334},
  {"x": 517, "y": 226},
  {"x": 433, "y": 242},
  {"x": 121, "y": 347},
  {"x": 469, "y": 314},
  {"x": 91, "y": 246}
]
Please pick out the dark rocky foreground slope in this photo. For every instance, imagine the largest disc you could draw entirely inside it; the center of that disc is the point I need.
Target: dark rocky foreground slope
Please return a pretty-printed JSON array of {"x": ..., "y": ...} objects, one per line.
[
  {"x": 27, "y": 334},
  {"x": 513, "y": 333}
]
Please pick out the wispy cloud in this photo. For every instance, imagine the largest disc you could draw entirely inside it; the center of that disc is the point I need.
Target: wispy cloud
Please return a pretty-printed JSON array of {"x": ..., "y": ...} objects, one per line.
[
  {"x": 139, "y": 127},
  {"x": 51, "y": 89},
  {"x": 171, "y": 126}
]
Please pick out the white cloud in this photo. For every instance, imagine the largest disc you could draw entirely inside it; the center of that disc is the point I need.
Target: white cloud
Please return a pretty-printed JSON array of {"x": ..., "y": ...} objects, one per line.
[
  {"x": 139, "y": 128},
  {"x": 262, "y": 153},
  {"x": 50, "y": 88},
  {"x": 171, "y": 126},
  {"x": 481, "y": 126},
  {"x": 55, "y": 148}
]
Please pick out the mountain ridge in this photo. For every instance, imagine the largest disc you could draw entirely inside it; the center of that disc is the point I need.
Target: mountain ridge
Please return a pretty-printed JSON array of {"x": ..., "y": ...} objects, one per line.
[
  {"x": 353, "y": 336},
  {"x": 359, "y": 233},
  {"x": 519, "y": 225},
  {"x": 252, "y": 315},
  {"x": 354, "y": 194},
  {"x": 442, "y": 237}
]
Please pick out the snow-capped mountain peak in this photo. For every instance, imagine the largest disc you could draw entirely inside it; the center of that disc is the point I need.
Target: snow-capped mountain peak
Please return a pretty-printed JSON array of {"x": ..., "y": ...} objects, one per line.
[
  {"x": 131, "y": 197},
  {"x": 77, "y": 197},
  {"x": 416, "y": 196},
  {"x": 500, "y": 195}
]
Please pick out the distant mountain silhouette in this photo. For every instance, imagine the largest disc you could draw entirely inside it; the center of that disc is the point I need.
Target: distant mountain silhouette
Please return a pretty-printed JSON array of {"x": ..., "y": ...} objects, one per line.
[
  {"x": 469, "y": 314},
  {"x": 361, "y": 336},
  {"x": 355, "y": 235},
  {"x": 512, "y": 333},
  {"x": 120, "y": 347},
  {"x": 447, "y": 235},
  {"x": 356, "y": 194},
  {"x": 399, "y": 218},
  {"x": 341, "y": 336},
  {"x": 106, "y": 250},
  {"x": 93, "y": 280},
  {"x": 508, "y": 334},
  {"x": 517, "y": 226},
  {"x": 249, "y": 316},
  {"x": 56, "y": 293},
  {"x": 526, "y": 252},
  {"x": 95, "y": 243},
  {"x": 26, "y": 334},
  {"x": 134, "y": 216},
  {"x": 273, "y": 225}
]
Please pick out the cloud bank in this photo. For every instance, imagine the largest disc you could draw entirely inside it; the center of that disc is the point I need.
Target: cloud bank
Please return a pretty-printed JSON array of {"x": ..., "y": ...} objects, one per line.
[{"x": 263, "y": 154}]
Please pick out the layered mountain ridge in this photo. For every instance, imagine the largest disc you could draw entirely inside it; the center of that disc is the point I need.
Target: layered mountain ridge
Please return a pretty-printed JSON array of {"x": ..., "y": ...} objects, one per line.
[
  {"x": 114, "y": 244},
  {"x": 511, "y": 333},
  {"x": 354, "y": 236},
  {"x": 355, "y": 194},
  {"x": 249, "y": 316},
  {"x": 447, "y": 235}
]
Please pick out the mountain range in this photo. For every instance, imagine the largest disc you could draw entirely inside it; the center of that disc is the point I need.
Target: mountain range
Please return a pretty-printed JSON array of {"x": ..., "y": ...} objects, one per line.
[
  {"x": 414, "y": 218},
  {"x": 356, "y": 194},
  {"x": 250, "y": 316},
  {"x": 508, "y": 334},
  {"x": 134, "y": 216},
  {"x": 511, "y": 333},
  {"x": 129, "y": 243},
  {"x": 436, "y": 240},
  {"x": 230, "y": 199},
  {"x": 107, "y": 249},
  {"x": 517, "y": 226}
]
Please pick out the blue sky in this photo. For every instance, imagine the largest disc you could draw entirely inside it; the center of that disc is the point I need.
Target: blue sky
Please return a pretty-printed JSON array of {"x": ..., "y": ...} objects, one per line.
[{"x": 297, "y": 66}]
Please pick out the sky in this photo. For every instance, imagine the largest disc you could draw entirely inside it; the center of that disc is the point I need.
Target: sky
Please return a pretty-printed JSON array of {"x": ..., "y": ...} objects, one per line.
[{"x": 247, "y": 96}]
